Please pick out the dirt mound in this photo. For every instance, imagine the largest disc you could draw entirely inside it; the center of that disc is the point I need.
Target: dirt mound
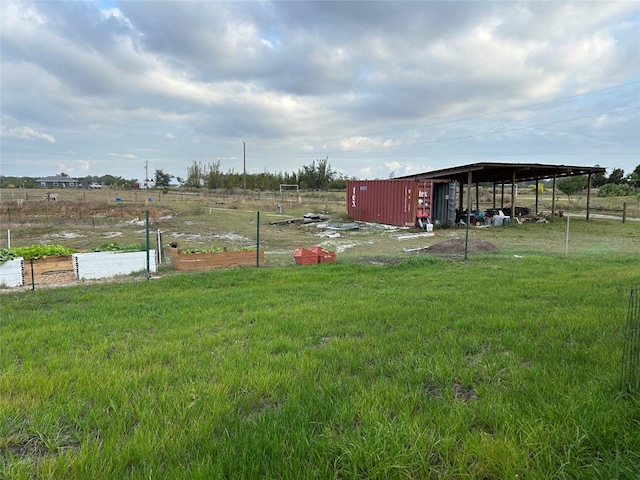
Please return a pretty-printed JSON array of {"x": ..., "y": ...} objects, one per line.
[{"x": 456, "y": 247}]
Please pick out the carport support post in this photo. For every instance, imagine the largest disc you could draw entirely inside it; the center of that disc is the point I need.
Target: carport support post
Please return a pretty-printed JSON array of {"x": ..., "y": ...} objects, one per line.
[
  {"x": 513, "y": 196},
  {"x": 537, "y": 189},
  {"x": 258, "y": 239},
  {"x": 553, "y": 197},
  {"x": 466, "y": 237},
  {"x": 588, "y": 194},
  {"x": 148, "y": 260},
  {"x": 494, "y": 195}
]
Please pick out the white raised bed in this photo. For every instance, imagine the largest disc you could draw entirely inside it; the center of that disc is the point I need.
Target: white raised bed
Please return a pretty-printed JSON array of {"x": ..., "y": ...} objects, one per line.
[
  {"x": 11, "y": 273},
  {"x": 96, "y": 265}
]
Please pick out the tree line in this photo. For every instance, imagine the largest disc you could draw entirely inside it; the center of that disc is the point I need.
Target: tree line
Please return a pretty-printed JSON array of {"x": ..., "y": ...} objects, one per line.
[
  {"x": 319, "y": 175},
  {"x": 614, "y": 185},
  {"x": 316, "y": 176}
]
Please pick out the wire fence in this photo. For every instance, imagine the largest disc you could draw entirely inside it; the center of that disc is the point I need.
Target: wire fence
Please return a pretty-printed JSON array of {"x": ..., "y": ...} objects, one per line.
[
  {"x": 630, "y": 381},
  {"x": 106, "y": 207}
]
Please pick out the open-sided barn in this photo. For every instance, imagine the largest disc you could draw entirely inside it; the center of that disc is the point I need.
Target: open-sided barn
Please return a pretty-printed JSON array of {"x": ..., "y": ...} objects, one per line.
[{"x": 431, "y": 196}]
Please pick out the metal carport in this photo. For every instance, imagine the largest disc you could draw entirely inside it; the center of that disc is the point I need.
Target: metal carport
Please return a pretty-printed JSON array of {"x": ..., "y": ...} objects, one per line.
[{"x": 501, "y": 173}]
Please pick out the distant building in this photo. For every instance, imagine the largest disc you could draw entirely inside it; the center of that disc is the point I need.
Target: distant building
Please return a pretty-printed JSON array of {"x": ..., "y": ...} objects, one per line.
[{"x": 57, "y": 182}]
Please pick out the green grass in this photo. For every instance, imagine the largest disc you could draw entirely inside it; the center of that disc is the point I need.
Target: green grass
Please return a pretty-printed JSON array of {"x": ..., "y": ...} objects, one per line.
[{"x": 497, "y": 367}]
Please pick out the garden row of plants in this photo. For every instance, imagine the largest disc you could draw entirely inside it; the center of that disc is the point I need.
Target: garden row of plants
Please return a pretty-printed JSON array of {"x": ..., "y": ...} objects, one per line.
[
  {"x": 43, "y": 251},
  {"x": 95, "y": 266},
  {"x": 216, "y": 257},
  {"x": 217, "y": 250}
]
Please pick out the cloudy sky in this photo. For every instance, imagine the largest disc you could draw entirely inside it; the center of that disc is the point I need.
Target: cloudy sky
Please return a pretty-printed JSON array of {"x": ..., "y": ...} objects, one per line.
[{"x": 379, "y": 88}]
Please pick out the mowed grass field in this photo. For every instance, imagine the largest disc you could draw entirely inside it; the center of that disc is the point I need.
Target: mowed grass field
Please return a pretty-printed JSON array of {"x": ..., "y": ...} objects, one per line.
[{"x": 506, "y": 365}]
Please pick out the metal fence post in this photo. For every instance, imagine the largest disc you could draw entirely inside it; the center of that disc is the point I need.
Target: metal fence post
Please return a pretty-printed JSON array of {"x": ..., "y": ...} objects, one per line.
[{"x": 630, "y": 379}]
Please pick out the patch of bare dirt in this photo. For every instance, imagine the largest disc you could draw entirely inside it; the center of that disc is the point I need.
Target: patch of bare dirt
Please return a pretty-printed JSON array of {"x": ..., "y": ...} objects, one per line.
[
  {"x": 56, "y": 278},
  {"x": 464, "y": 393},
  {"x": 456, "y": 247}
]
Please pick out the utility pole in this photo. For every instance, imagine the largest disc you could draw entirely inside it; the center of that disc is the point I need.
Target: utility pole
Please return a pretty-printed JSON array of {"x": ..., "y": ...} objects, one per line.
[
  {"x": 244, "y": 166},
  {"x": 146, "y": 173}
]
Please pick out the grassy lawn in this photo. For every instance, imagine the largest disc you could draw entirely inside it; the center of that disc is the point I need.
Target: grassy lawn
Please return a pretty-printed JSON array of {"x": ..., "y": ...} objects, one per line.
[{"x": 491, "y": 368}]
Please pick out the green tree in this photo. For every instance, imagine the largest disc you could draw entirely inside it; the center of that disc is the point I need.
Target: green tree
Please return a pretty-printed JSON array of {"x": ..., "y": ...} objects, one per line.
[
  {"x": 17, "y": 182},
  {"x": 213, "y": 175},
  {"x": 572, "y": 185},
  {"x": 634, "y": 178},
  {"x": 598, "y": 179},
  {"x": 108, "y": 180},
  {"x": 617, "y": 176},
  {"x": 613, "y": 190},
  {"x": 162, "y": 179},
  {"x": 195, "y": 175},
  {"x": 316, "y": 176}
]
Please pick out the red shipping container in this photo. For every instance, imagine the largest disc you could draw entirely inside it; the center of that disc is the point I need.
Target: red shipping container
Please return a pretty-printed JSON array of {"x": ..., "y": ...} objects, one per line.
[{"x": 390, "y": 202}]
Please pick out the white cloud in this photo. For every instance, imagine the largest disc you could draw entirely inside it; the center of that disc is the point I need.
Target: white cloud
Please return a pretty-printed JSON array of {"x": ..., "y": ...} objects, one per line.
[
  {"x": 28, "y": 133},
  {"x": 393, "y": 166},
  {"x": 367, "y": 143},
  {"x": 364, "y": 83}
]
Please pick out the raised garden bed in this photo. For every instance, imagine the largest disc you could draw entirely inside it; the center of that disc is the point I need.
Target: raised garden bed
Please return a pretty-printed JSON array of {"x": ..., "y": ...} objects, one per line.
[
  {"x": 207, "y": 261},
  {"x": 96, "y": 265},
  {"x": 56, "y": 265},
  {"x": 46, "y": 265},
  {"x": 11, "y": 273},
  {"x": 40, "y": 262}
]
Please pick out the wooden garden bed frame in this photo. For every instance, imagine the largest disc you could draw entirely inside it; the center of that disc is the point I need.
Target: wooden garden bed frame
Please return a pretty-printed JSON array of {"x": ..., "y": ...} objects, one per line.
[{"x": 207, "y": 261}]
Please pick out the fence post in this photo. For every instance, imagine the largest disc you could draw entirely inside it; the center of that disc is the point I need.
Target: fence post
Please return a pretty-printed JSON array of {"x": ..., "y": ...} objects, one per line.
[
  {"x": 624, "y": 212},
  {"x": 630, "y": 379},
  {"x": 147, "y": 238},
  {"x": 258, "y": 239}
]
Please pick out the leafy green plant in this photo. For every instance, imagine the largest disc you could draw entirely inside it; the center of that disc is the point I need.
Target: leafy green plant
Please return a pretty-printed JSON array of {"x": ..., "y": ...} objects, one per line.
[
  {"x": 39, "y": 251},
  {"x": 615, "y": 190},
  {"x": 6, "y": 255},
  {"x": 115, "y": 247},
  {"x": 218, "y": 250}
]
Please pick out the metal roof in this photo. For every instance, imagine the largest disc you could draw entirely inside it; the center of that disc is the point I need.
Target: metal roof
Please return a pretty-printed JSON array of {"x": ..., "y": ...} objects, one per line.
[
  {"x": 56, "y": 178},
  {"x": 504, "y": 172}
]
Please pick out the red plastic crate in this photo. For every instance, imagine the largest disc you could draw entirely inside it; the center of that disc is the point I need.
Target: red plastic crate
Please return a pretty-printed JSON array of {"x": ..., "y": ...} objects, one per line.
[
  {"x": 304, "y": 256},
  {"x": 324, "y": 256}
]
